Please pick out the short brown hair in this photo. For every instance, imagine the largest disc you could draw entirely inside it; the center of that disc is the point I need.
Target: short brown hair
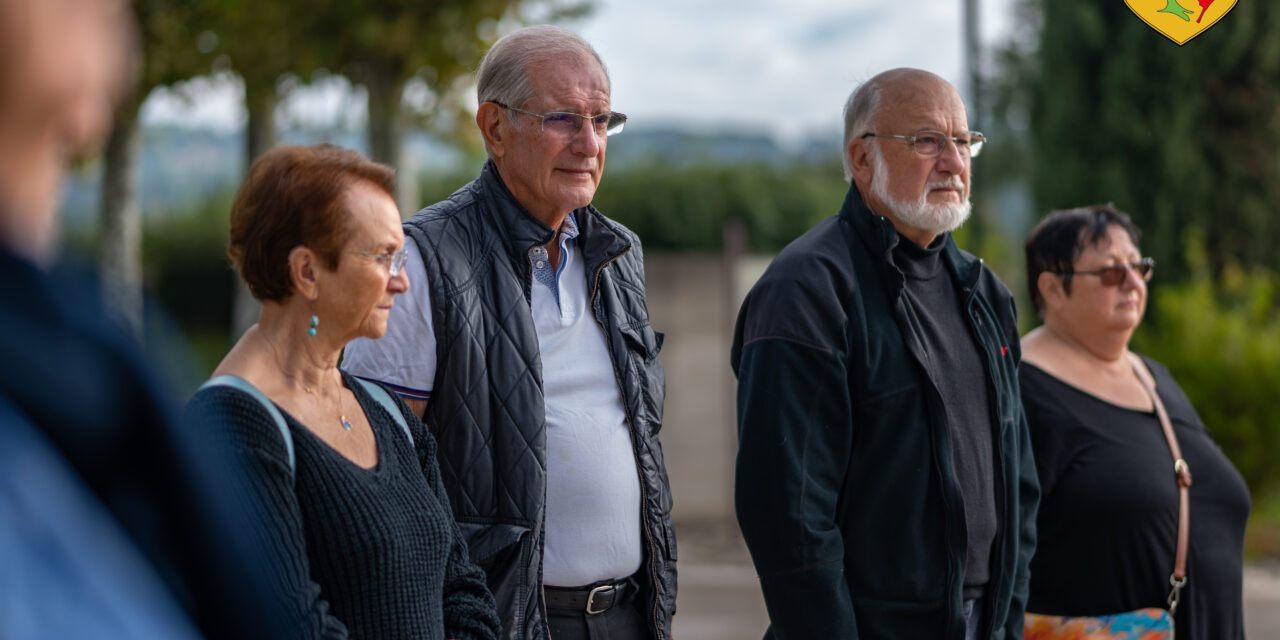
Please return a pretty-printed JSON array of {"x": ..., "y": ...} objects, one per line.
[{"x": 293, "y": 197}]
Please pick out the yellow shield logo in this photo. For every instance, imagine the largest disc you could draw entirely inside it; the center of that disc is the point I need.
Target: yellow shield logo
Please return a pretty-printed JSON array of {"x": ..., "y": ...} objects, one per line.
[{"x": 1180, "y": 20}]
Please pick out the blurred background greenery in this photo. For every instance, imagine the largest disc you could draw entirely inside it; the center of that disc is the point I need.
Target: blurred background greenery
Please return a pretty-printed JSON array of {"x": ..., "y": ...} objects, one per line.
[{"x": 1084, "y": 104}]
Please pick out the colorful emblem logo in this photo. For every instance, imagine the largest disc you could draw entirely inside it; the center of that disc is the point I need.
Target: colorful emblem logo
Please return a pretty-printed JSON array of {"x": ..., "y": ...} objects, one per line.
[{"x": 1175, "y": 20}]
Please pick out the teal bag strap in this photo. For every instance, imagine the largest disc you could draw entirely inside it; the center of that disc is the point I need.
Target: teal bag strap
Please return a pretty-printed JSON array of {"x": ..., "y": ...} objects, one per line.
[
  {"x": 236, "y": 382},
  {"x": 387, "y": 403}
]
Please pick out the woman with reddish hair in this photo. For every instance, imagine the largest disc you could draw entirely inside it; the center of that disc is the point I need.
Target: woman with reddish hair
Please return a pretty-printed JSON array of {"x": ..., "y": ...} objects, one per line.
[{"x": 366, "y": 543}]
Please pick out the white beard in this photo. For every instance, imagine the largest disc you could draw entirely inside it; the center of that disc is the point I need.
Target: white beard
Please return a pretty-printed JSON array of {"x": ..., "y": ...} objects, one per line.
[{"x": 921, "y": 214}]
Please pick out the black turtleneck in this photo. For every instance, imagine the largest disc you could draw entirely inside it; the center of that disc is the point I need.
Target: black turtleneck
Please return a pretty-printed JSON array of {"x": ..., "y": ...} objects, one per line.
[{"x": 955, "y": 363}]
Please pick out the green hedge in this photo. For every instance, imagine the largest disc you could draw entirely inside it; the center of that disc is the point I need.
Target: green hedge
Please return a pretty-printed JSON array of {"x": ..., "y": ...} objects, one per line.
[
  {"x": 684, "y": 207},
  {"x": 185, "y": 265},
  {"x": 681, "y": 207}
]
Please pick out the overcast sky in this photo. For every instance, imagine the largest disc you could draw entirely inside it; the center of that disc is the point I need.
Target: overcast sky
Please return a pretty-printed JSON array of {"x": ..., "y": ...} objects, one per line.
[
  {"x": 762, "y": 65},
  {"x": 786, "y": 67}
]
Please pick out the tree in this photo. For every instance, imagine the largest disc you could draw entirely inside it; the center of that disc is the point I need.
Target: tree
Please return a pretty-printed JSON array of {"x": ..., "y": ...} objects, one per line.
[
  {"x": 1176, "y": 136},
  {"x": 387, "y": 43},
  {"x": 382, "y": 44},
  {"x": 169, "y": 55},
  {"x": 264, "y": 40}
]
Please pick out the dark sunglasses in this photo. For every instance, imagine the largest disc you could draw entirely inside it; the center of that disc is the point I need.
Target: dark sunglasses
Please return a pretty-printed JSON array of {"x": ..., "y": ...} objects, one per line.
[{"x": 1114, "y": 275}]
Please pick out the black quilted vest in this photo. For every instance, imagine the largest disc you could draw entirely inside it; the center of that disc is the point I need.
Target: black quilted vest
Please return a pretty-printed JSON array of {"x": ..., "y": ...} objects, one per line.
[{"x": 486, "y": 407}]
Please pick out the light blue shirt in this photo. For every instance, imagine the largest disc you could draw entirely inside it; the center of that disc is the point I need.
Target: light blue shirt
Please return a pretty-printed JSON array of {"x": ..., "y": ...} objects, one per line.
[{"x": 593, "y": 486}]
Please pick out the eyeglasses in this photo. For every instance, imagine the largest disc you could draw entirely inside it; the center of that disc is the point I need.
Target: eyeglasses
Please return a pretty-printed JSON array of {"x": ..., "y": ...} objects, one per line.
[
  {"x": 567, "y": 125},
  {"x": 392, "y": 260},
  {"x": 1114, "y": 275},
  {"x": 930, "y": 144}
]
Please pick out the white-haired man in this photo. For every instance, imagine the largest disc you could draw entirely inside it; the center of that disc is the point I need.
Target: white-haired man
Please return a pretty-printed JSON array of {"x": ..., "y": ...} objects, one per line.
[
  {"x": 884, "y": 482},
  {"x": 526, "y": 346}
]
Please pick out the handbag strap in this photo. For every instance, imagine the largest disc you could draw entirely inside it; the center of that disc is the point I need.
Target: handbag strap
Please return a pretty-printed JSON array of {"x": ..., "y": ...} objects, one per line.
[
  {"x": 1182, "y": 474},
  {"x": 376, "y": 392},
  {"x": 236, "y": 382},
  {"x": 383, "y": 398}
]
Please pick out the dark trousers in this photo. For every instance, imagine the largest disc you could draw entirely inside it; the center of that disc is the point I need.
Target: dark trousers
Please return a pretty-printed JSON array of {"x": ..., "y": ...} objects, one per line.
[{"x": 623, "y": 621}]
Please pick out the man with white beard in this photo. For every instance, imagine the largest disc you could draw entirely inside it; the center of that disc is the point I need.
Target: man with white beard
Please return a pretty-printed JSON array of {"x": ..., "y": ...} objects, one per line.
[{"x": 885, "y": 484}]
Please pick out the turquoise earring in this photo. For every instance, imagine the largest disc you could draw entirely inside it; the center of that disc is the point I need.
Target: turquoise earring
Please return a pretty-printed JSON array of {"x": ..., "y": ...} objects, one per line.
[{"x": 314, "y": 321}]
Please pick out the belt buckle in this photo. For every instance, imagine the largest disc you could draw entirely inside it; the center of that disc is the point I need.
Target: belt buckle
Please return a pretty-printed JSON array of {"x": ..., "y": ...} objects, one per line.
[{"x": 591, "y": 598}]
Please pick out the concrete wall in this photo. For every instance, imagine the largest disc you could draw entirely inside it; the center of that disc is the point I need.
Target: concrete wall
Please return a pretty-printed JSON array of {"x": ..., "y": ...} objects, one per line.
[{"x": 694, "y": 301}]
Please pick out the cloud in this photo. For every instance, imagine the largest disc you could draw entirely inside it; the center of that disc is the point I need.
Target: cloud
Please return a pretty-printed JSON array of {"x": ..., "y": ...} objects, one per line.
[
  {"x": 759, "y": 64},
  {"x": 752, "y": 65}
]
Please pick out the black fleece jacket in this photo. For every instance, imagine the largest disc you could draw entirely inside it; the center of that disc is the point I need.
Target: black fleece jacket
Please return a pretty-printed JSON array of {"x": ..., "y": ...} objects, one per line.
[{"x": 846, "y": 492}]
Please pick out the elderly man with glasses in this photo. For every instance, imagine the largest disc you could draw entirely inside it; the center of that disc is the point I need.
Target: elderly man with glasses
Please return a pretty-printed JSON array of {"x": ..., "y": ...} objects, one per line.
[
  {"x": 885, "y": 485},
  {"x": 525, "y": 344}
]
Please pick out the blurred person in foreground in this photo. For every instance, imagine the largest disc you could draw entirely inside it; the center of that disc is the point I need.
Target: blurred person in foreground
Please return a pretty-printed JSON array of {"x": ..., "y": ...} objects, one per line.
[
  {"x": 529, "y": 351},
  {"x": 364, "y": 542},
  {"x": 1108, "y": 518},
  {"x": 885, "y": 485},
  {"x": 112, "y": 519}
]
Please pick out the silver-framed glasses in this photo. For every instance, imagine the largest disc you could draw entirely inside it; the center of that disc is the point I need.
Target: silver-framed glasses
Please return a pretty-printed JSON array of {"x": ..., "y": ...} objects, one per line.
[
  {"x": 930, "y": 143},
  {"x": 392, "y": 260},
  {"x": 567, "y": 125}
]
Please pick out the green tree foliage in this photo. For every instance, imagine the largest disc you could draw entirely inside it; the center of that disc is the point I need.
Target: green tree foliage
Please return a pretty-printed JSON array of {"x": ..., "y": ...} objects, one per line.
[
  {"x": 1174, "y": 135},
  {"x": 169, "y": 30},
  {"x": 263, "y": 40},
  {"x": 1220, "y": 337},
  {"x": 1184, "y": 139},
  {"x": 385, "y": 43}
]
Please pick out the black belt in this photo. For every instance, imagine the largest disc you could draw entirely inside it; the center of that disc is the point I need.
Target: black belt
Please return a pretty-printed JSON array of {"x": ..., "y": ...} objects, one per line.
[{"x": 593, "y": 599}]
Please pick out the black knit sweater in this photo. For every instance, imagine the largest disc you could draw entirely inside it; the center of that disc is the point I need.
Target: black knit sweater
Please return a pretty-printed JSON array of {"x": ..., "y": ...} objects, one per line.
[{"x": 363, "y": 553}]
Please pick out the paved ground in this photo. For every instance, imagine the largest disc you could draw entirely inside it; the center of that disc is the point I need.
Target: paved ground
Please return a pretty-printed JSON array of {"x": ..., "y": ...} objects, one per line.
[
  {"x": 1262, "y": 602},
  {"x": 720, "y": 598}
]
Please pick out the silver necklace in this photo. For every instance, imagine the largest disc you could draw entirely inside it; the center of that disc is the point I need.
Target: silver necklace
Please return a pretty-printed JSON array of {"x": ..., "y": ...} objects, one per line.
[{"x": 342, "y": 418}]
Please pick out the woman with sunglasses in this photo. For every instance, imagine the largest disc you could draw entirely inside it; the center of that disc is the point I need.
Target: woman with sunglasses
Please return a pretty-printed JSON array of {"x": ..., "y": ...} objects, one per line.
[
  {"x": 343, "y": 474},
  {"x": 1109, "y": 511}
]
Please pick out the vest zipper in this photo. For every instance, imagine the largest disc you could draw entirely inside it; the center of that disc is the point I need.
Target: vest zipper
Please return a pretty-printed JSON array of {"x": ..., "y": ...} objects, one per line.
[{"x": 595, "y": 280}]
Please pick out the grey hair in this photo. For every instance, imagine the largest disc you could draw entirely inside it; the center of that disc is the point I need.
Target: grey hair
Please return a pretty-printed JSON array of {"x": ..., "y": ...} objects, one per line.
[
  {"x": 859, "y": 110},
  {"x": 504, "y": 72}
]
